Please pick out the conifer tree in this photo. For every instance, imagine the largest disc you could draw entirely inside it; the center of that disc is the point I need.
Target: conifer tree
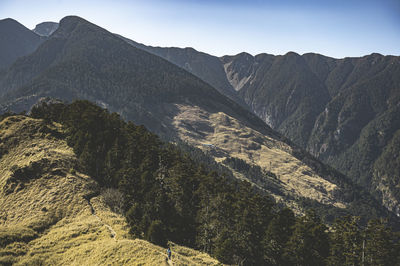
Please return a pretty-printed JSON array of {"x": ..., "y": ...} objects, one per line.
[
  {"x": 346, "y": 242},
  {"x": 309, "y": 243}
]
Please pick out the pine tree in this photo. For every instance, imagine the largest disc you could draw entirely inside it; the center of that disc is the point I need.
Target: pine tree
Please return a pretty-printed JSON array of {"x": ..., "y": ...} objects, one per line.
[
  {"x": 309, "y": 243},
  {"x": 380, "y": 246},
  {"x": 346, "y": 242},
  {"x": 277, "y": 235}
]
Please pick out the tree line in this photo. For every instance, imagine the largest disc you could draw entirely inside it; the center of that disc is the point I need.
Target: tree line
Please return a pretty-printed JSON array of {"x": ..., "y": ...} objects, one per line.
[{"x": 170, "y": 197}]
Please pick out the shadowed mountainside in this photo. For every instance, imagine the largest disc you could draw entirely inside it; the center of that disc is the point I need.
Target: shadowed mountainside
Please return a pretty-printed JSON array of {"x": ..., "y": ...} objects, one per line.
[
  {"x": 343, "y": 111},
  {"x": 15, "y": 41},
  {"x": 83, "y": 61}
]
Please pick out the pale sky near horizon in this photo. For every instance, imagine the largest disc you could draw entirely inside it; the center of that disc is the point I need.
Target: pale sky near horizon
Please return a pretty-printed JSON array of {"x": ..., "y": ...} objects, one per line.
[{"x": 337, "y": 28}]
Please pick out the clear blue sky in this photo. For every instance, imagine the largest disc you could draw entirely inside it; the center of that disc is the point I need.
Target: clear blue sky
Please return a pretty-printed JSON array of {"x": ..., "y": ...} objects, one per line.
[{"x": 336, "y": 28}]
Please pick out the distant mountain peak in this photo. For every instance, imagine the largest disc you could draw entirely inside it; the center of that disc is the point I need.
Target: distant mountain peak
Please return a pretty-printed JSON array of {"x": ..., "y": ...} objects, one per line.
[
  {"x": 72, "y": 19},
  {"x": 294, "y": 54},
  {"x": 15, "y": 41},
  {"x": 46, "y": 28},
  {"x": 8, "y": 20}
]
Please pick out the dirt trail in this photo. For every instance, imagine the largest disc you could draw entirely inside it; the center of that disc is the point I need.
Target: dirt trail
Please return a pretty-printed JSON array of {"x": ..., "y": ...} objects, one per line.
[{"x": 113, "y": 234}]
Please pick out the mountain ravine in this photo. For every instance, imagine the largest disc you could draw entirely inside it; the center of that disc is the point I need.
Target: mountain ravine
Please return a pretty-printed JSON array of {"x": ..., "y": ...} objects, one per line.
[{"x": 343, "y": 111}]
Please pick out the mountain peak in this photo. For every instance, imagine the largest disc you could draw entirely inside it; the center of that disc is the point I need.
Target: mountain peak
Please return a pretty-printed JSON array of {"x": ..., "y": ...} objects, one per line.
[
  {"x": 69, "y": 23},
  {"x": 15, "y": 40},
  {"x": 46, "y": 28},
  {"x": 293, "y": 54},
  {"x": 9, "y": 22},
  {"x": 245, "y": 55},
  {"x": 72, "y": 18}
]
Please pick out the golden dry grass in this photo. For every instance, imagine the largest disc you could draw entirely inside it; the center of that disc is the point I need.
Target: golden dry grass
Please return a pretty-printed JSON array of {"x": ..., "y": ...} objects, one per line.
[
  {"x": 48, "y": 220},
  {"x": 230, "y": 137}
]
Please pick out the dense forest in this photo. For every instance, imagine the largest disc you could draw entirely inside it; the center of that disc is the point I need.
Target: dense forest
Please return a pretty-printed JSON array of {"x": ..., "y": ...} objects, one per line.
[{"x": 170, "y": 197}]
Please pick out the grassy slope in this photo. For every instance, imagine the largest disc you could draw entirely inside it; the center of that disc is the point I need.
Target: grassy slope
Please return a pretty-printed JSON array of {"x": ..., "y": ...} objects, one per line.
[
  {"x": 229, "y": 137},
  {"x": 48, "y": 217}
]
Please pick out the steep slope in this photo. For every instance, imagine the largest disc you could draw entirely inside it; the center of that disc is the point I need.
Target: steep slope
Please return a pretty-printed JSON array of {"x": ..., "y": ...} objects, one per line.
[
  {"x": 15, "y": 41},
  {"x": 45, "y": 28},
  {"x": 343, "y": 111},
  {"x": 282, "y": 90},
  {"x": 202, "y": 65},
  {"x": 53, "y": 214},
  {"x": 81, "y": 60},
  {"x": 119, "y": 75}
]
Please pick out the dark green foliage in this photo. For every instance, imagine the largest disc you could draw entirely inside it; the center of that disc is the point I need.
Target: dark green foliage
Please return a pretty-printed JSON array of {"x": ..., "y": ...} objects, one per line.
[
  {"x": 169, "y": 197},
  {"x": 381, "y": 244},
  {"x": 156, "y": 233},
  {"x": 309, "y": 243},
  {"x": 278, "y": 233},
  {"x": 374, "y": 245},
  {"x": 346, "y": 242}
]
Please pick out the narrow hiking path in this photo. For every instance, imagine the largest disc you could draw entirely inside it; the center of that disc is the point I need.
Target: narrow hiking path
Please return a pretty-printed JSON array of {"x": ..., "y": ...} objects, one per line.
[{"x": 113, "y": 234}]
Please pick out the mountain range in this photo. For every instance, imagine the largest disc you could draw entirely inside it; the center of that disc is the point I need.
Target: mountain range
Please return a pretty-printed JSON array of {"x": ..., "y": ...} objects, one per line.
[
  {"x": 260, "y": 118},
  {"x": 83, "y": 61},
  {"x": 343, "y": 111}
]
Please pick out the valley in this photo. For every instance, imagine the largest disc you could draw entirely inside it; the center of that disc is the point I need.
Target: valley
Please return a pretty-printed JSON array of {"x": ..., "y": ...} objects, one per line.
[{"x": 112, "y": 150}]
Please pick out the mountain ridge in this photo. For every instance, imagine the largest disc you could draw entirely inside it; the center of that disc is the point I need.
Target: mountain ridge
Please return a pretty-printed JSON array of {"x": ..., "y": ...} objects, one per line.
[
  {"x": 15, "y": 41},
  {"x": 52, "y": 213},
  {"x": 149, "y": 90},
  {"x": 301, "y": 96}
]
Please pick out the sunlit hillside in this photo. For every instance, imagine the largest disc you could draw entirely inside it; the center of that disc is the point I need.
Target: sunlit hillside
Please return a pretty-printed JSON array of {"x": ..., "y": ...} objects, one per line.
[{"x": 52, "y": 214}]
